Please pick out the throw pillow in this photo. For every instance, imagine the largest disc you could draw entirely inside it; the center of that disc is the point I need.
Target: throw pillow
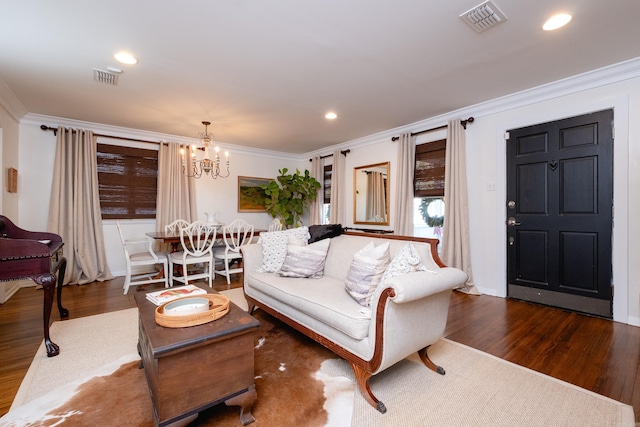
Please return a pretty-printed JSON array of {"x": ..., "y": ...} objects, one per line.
[
  {"x": 304, "y": 260},
  {"x": 319, "y": 232},
  {"x": 406, "y": 261},
  {"x": 365, "y": 272},
  {"x": 274, "y": 247}
]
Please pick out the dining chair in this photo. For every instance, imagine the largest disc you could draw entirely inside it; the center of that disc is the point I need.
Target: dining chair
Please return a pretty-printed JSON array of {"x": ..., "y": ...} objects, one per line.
[
  {"x": 234, "y": 235},
  {"x": 175, "y": 226},
  {"x": 139, "y": 252},
  {"x": 276, "y": 225},
  {"x": 196, "y": 240}
]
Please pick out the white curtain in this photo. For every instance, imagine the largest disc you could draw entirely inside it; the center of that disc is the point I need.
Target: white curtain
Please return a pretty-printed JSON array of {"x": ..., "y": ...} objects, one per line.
[
  {"x": 176, "y": 191},
  {"x": 315, "y": 208},
  {"x": 456, "y": 251},
  {"x": 403, "y": 221},
  {"x": 337, "y": 214},
  {"x": 375, "y": 197},
  {"x": 74, "y": 208}
]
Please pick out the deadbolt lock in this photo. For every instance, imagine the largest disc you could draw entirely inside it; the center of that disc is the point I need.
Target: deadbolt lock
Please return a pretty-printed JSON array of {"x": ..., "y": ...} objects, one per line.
[{"x": 511, "y": 204}]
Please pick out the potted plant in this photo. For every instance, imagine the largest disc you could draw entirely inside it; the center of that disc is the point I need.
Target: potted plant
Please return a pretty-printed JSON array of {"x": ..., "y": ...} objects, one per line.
[{"x": 289, "y": 195}]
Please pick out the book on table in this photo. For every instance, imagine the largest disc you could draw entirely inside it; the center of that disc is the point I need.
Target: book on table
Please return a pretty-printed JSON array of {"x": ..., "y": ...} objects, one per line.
[{"x": 166, "y": 295}]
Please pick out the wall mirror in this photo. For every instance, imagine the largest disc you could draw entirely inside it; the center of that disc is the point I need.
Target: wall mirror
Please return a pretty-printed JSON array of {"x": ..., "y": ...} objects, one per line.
[{"x": 371, "y": 194}]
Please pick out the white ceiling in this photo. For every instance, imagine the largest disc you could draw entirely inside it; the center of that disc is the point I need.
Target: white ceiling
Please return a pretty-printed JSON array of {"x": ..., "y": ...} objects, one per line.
[{"x": 265, "y": 72}]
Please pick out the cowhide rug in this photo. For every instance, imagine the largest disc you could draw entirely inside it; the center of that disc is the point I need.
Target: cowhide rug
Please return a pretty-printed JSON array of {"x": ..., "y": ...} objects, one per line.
[{"x": 290, "y": 387}]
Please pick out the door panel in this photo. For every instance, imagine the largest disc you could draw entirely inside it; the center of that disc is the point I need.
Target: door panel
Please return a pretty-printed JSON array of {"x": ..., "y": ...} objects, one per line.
[{"x": 560, "y": 193}]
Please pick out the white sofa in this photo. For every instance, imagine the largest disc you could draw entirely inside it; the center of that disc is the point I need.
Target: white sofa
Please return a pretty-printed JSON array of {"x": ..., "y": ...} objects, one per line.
[{"x": 407, "y": 313}]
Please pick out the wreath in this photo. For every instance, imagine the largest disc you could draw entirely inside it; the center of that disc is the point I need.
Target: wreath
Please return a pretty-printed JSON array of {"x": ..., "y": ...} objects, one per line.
[{"x": 432, "y": 221}]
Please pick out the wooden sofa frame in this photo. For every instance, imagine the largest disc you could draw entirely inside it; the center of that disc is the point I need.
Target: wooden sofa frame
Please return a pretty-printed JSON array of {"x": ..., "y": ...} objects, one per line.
[{"x": 362, "y": 369}]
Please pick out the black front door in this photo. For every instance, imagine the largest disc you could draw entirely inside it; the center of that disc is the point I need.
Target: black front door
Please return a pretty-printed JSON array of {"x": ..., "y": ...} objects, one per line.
[{"x": 559, "y": 210}]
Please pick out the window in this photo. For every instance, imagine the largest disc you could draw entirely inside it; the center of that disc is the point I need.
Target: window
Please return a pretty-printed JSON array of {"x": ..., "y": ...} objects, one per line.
[
  {"x": 428, "y": 182},
  {"x": 127, "y": 182},
  {"x": 326, "y": 186},
  {"x": 428, "y": 179}
]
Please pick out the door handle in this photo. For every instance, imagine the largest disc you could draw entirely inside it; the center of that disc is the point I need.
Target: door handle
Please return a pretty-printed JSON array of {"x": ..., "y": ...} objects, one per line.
[{"x": 511, "y": 222}]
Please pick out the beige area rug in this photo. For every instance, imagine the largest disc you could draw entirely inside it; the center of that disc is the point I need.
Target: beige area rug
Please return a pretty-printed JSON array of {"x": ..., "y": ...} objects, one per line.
[{"x": 299, "y": 383}]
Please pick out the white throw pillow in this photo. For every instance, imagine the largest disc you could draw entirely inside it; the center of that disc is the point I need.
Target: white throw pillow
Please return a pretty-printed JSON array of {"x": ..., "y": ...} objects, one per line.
[
  {"x": 406, "y": 261},
  {"x": 304, "y": 260},
  {"x": 274, "y": 247},
  {"x": 366, "y": 270}
]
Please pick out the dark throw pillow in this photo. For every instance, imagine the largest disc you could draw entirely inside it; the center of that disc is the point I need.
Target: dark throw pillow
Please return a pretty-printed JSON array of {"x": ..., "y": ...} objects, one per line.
[{"x": 319, "y": 232}]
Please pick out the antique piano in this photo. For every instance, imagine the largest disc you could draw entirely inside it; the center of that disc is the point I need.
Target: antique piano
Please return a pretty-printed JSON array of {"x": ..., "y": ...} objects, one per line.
[{"x": 36, "y": 256}]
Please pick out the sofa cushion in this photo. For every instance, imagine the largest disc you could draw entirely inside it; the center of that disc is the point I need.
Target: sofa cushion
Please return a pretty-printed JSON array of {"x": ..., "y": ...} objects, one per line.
[
  {"x": 366, "y": 270},
  {"x": 406, "y": 261},
  {"x": 304, "y": 260},
  {"x": 323, "y": 299},
  {"x": 274, "y": 247}
]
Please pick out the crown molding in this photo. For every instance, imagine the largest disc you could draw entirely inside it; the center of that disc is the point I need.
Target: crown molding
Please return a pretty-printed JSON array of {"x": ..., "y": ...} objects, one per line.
[
  {"x": 611, "y": 74},
  {"x": 153, "y": 137},
  {"x": 10, "y": 102}
]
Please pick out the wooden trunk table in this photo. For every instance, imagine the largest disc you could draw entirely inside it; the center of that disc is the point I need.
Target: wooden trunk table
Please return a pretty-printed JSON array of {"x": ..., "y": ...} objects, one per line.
[{"x": 191, "y": 369}]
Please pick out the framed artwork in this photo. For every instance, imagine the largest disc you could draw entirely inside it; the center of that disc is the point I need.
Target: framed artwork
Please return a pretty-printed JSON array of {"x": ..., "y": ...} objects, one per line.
[{"x": 250, "y": 195}]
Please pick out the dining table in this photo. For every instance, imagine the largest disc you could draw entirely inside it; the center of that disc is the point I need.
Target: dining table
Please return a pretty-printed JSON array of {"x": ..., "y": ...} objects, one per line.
[{"x": 173, "y": 238}]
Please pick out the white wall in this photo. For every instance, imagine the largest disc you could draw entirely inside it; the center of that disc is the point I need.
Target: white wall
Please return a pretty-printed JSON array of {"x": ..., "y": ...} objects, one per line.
[
  {"x": 486, "y": 171},
  {"x": 617, "y": 88},
  {"x": 8, "y": 159},
  {"x": 486, "y": 153},
  {"x": 37, "y": 147}
]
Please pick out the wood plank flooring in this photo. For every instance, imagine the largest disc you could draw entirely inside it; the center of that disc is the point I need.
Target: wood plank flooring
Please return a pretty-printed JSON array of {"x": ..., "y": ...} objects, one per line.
[{"x": 596, "y": 354}]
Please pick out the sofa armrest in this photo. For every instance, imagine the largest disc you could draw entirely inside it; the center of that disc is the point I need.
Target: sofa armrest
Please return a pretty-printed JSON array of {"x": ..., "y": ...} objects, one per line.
[
  {"x": 251, "y": 257},
  {"x": 420, "y": 284}
]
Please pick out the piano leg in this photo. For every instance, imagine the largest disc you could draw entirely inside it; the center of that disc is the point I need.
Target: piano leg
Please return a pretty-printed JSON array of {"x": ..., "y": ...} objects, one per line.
[
  {"x": 64, "y": 313},
  {"x": 48, "y": 282}
]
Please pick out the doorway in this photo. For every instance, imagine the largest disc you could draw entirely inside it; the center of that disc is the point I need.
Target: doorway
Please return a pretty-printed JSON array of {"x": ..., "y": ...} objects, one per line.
[{"x": 559, "y": 213}]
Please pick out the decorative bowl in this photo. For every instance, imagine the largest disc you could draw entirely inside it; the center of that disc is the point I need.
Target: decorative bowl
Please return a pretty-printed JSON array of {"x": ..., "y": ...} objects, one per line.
[{"x": 186, "y": 306}]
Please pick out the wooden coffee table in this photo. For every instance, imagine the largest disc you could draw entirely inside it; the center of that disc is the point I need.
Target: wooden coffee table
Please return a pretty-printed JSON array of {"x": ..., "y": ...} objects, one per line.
[{"x": 191, "y": 369}]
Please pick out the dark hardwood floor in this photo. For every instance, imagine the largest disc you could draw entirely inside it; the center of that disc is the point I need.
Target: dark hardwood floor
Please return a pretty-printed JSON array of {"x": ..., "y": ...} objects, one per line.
[{"x": 596, "y": 354}]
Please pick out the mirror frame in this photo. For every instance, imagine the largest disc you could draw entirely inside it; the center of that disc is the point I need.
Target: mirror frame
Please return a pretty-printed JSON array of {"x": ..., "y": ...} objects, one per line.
[{"x": 356, "y": 170}]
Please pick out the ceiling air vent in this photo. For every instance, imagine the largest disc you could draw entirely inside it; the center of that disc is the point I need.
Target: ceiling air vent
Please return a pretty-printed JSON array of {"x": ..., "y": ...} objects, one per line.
[
  {"x": 106, "y": 77},
  {"x": 483, "y": 16}
]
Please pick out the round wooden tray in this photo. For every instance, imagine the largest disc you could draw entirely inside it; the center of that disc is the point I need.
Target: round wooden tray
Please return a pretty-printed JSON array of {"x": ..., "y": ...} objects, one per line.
[{"x": 218, "y": 307}]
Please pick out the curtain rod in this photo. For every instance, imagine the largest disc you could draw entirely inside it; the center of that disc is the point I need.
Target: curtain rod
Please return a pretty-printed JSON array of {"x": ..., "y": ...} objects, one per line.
[
  {"x": 344, "y": 153},
  {"x": 463, "y": 122},
  {"x": 55, "y": 132}
]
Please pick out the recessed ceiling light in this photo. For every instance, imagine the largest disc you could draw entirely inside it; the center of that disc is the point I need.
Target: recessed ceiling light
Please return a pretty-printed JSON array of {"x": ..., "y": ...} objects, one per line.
[
  {"x": 556, "y": 21},
  {"x": 125, "y": 58},
  {"x": 330, "y": 115}
]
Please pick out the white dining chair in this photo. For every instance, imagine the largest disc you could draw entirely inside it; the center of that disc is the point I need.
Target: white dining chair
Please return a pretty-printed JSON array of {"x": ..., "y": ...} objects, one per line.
[
  {"x": 139, "y": 252},
  {"x": 234, "y": 235},
  {"x": 175, "y": 226},
  {"x": 276, "y": 225},
  {"x": 196, "y": 240},
  {"x": 174, "y": 229}
]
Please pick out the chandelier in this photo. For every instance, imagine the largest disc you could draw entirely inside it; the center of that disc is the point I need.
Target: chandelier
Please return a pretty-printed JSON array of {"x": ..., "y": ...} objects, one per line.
[{"x": 193, "y": 168}]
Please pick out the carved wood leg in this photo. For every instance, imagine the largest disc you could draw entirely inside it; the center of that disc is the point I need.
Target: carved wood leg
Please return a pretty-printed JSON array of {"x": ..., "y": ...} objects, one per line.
[
  {"x": 428, "y": 362},
  {"x": 245, "y": 401},
  {"x": 64, "y": 313},
  {"x": 362, "y": 379},
  {"x": 48, "y": 283}
]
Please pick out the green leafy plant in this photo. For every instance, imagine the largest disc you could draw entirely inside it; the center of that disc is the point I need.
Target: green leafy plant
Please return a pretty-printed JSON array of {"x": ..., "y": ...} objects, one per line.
[{"x": 289, "y": 195}]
